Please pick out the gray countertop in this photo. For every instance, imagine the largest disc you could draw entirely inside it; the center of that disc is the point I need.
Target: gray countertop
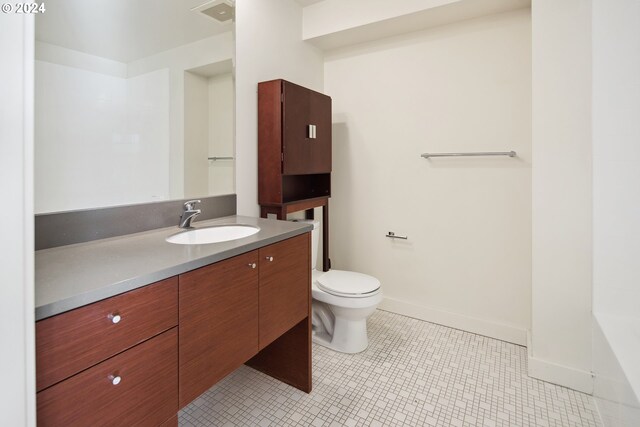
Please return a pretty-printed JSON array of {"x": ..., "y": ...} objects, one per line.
[{"x": 69, "y": 277}]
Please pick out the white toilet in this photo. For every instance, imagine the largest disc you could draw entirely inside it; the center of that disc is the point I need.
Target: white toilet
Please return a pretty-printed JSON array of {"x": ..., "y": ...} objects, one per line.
[{"x": 342, "y": 302}]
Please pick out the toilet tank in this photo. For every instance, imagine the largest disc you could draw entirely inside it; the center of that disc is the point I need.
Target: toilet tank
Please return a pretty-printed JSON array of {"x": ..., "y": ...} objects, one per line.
[{"x": 315, "y": 239}]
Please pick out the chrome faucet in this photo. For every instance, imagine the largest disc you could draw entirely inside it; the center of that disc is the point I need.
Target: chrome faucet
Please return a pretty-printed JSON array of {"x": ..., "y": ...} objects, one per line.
[{"x": 189, "y": 213}]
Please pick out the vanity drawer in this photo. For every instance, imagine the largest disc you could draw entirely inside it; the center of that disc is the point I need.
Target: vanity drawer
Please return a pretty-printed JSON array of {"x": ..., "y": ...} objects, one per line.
[
  {"x": 284, "y": 286},
  {"x": 76, "y": 340},
  {"x": 145, "y": 395}
]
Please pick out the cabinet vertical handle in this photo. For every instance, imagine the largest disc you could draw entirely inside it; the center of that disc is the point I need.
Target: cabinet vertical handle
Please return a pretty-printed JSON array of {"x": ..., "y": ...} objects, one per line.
[
  {"x": 269, "y": 258},
  {"x": 115, "y": 379},
  {"x": 114, "y": 317},
  {"x": 311, "y": 131},
  {"x": 252, "y": 265}
]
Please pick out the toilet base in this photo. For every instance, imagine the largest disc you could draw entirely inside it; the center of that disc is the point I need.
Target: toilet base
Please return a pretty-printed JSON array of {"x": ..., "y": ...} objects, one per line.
[{"x": 349, "y": 336}]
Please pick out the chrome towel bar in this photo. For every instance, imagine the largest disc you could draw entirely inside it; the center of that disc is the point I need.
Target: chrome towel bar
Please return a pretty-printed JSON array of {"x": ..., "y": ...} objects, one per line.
[
  {"x": 484, "y": 153},
  {"x": 220, "y": 158}
]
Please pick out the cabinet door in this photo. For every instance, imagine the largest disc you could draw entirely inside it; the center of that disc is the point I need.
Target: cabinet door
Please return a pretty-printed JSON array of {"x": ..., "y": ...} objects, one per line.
[
  {"x": 218, "y": 309},
  {"x": 302, "y": 154},
  {"x": 285, "y": 282}
]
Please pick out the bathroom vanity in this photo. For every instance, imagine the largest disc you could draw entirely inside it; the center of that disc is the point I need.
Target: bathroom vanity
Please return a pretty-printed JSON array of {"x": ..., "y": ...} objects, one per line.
[{"x": 122, "y": 340}]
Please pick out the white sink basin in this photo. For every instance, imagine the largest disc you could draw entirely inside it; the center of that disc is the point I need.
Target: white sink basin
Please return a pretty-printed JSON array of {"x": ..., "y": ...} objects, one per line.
[{"x": 213, "y": 234}]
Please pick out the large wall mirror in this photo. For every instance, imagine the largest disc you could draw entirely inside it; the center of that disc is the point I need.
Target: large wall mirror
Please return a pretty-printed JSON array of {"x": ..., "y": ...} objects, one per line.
[{"x": 134, "y": 102}]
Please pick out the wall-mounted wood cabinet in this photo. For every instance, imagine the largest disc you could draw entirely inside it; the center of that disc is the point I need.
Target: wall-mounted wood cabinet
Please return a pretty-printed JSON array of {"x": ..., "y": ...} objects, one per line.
[
  {"x": 294, "y": 140},
  {"x": 306, "y": 130},
  {"x": 294, "y": 152}
]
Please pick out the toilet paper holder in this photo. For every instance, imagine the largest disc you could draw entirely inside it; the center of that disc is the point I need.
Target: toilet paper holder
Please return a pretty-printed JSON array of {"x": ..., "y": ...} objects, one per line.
[{"x": 393, "y": 235}]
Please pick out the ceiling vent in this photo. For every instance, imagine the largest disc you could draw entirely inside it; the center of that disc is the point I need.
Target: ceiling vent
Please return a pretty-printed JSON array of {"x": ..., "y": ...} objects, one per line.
[{"x": 220, "y": 10}]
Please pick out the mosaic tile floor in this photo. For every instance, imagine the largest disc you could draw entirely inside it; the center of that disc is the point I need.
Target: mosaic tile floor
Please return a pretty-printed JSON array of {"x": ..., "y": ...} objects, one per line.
[{"x": 414, "y": 373}]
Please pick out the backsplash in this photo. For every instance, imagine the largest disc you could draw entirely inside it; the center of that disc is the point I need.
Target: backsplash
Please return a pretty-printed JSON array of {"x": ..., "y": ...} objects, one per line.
[{"x": 66, "y": 228}]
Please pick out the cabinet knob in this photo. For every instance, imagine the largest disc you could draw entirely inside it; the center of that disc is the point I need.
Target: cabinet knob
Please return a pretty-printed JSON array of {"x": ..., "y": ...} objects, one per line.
[
  {"x": 115, "y": 379},
  {"x": 269, "y": 258},
  {"x": 253, "y": 265},
  {"x": 114, "y": 317}
]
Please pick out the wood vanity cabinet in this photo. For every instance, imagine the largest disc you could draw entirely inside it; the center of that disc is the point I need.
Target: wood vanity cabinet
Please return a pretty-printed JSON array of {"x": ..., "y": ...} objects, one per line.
[
  {"x": 145, "y": 395},
  {"x": 138, "y": 357},
  {"x": 284, "y": 287},
  {"x": 218, "y": 322},
  {"x": 232, "y": 309},
  {"x": 285, "y": 313},
  {"x": 113, "y": 362}
]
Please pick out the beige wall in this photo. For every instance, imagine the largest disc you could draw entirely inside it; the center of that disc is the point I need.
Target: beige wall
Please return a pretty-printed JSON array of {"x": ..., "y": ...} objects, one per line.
[
  {"x": 560, "y": 349},
  {"x": 461, "y": 87},
  {"x": 268, "y": 46}
]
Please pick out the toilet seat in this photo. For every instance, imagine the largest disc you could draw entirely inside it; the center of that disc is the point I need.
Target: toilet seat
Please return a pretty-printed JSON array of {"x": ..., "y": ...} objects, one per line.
[{"x": 348, "y": 284}]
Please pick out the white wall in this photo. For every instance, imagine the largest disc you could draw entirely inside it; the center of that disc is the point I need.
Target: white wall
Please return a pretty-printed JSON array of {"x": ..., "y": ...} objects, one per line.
[
  {"x": 221, "y": 134},
  {"x": 616, "y": 350},
  {"x": 560, "y": 349},
  {"x": 17, "y": 394},
  {"x": 196, "y": 135},
  {"x": 458, "y": 88},
  {"x": 111, "y": 124},
  {"x": 208, "y": 126},
  {"x": 207, "y": 51},
  {"x": 616, "y": 150},
  {"x": 97, "y": 133},
  {"x": 75, "y": 59},
  {"x": 616, "y": 210},
  {"x": 268, "y": 46}
]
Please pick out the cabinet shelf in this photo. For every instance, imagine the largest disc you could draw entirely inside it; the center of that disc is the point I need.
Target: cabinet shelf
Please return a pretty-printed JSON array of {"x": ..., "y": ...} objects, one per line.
[
  {"x": 295, "y": 206},
  {"x": 301, "y": 187}
]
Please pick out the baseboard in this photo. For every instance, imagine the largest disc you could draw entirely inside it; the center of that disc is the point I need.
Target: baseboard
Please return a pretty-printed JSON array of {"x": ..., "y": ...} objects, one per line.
[
  {"x": 537, "y": 368},
  {"x": 558, "y": 374},
  {"x": 484, "y": 327}
]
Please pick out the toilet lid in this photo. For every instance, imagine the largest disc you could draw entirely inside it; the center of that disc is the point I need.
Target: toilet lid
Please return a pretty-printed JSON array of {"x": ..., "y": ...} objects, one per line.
[{"x": 348, "y": 283}]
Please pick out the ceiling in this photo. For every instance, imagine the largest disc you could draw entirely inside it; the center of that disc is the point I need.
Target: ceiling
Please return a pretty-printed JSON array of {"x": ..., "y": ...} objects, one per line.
[
  {"x": 335, "y": 25},
  {"x": 124, "y": 30}
]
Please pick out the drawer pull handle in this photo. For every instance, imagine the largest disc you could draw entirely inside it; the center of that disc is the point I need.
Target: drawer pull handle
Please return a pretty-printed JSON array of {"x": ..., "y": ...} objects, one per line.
[
  {"x": 115, "y": 318},
  {"x": 252, "y": 265},
  {"x": 269, "y": 258},
  {"x": 115, "y": 379}
]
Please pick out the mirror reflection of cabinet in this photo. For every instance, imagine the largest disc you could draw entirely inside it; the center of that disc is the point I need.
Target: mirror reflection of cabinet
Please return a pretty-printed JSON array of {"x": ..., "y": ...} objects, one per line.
[{"x": 294, "y": 152}]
